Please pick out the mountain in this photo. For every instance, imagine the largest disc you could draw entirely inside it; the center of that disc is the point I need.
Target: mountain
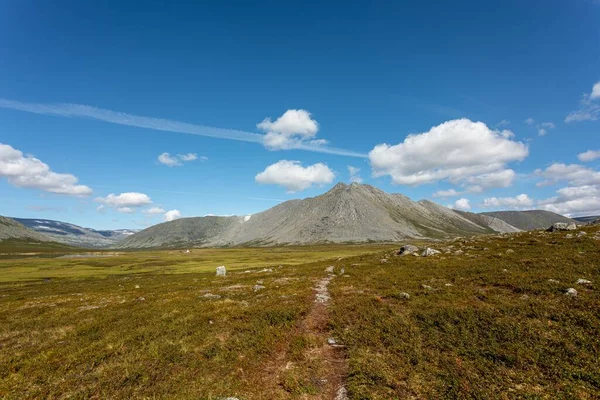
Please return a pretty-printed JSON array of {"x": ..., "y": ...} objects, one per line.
[
  {"x": 587, "y": 220},
  {"x": 64, "y": 232},
  {"x": 11, "y": 229},
  {"x": 347, "y": 213},
  {"x": 529, "y": 220}
]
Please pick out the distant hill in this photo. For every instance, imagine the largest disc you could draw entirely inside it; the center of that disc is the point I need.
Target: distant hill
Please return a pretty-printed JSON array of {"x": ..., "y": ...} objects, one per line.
[
  {"x": 347, "y": 213},
  {"x": 11, "y": 229},
  {"x": 73, "y": 235},
  {"x": 587, "y": 220},
  {"x": 529, "y": 220}
]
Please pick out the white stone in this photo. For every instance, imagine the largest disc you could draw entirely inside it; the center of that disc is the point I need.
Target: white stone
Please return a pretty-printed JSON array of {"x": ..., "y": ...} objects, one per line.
[
  {"x": 571, "y": 292},
  {"x": 258, "y": 287},
  {"x": 583, "y": 282},
  {"x": 221, "y": 271},
  {"x": 430, "y": 252}
]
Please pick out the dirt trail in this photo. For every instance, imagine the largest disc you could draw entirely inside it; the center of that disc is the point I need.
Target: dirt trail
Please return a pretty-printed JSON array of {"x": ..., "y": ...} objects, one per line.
[{"x": 325, "y": 363}]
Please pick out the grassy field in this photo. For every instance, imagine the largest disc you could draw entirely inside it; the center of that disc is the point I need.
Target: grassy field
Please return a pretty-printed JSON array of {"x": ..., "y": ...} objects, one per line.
[{"x": 486, "y": 323}]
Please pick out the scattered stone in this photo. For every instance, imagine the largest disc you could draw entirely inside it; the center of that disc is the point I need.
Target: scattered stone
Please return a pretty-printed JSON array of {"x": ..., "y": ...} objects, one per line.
[
  {"x": 141, "y": 299},
  {"x": 568, "y": 236},
  {"x": 383, "y": 260},
  {"x": 330, "y": 269},
  {"x": 266, "y": 270},
  {"x": 553, "y": 281},
  {"x": 212, "y": 296},
  {"x": 258, "y": 287},
  {"x": 259, "y": 282},
  {"x": 341, "y": 394},
  {"x": 137, "y": 286},
  {"x": 524, "y": 297},
  {"x": 581, "y": 233},
  {"x": 342, "y": 271},
  {"x": 571, "y": 292},
  {"x": 448, "y": 284},
  {"x": 407, "y": 249},
  {"x": 426, "y": 287},
  {"x": 331, "y": 341},
  {"x": 458, "y": 252},
  {"x": 221, "y": 271},
  {"x": 404, "y": 295},
  {"x": 581, "y": 281},
  {"x": 430, "y": 252},
  {"x": 504, "y": 270},
  {"x": 210, "y": 322},
  {"x": 562, "y": 226},
  {"x": 510, "y": 251}
]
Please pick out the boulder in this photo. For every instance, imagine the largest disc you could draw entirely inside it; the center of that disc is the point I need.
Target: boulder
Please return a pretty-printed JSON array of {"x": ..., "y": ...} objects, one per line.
[
  {"x": 562, "y": 226},
  {"x": 571, "y": 292},
  {"x": 221, "y": 271},
  {"x": 258, "y": 287},
  {"x": 581, "y": 281},
  {"x": 510, "y": 251},
  {"x": 407, "y": 249},
  {"x": 404, "y": 295},
  {"x": 430, "y": 252}
]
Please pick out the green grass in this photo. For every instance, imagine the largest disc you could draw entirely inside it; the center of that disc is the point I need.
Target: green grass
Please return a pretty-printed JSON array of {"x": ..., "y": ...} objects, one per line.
[{"x": 138, "y": 325}]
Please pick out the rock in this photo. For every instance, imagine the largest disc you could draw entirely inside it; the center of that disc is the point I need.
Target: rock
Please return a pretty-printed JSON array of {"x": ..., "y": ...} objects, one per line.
[
  {"x": 221, "y": 271},
  {"x": 458, "y": 252},
  {"x": 580, "y": 234},
  {"x": 259, "y": 282},
  {"x": 429, "y": 252},
  {"x": 407, "y": 249},
  {"x": 383, "y": 260},
  {"x": 141, "y": 299},
  {"x": 562, "y": 226},
  {"x": 341, "y": 394},
  {"x": 342, "y": 271},
  {"x": 571, "y": 292},
  {"x": 404, "y": 295},
  {"x": 211, "y": 296},
  {"x": 137, "y": 286},
  {"x": 553, "y": 281},
  {"x": 448, "y": 284},
  {"x": 568, "y": 236},
  {"x": 510, "y": 251},
  {"x": 426, "y": 287},
  {"x": 331, "y": 341},
  {"x": 581, "y": 281},
  {"x": 258, "y": 287},
  {"x": 329, "y": 269}
]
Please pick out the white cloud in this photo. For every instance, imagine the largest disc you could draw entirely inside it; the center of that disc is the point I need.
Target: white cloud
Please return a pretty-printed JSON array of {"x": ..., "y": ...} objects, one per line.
[
  {"x": 574, "y": 201},
  {"x": 530, "y": 121},
  {"x": 354, "y": 174},
  {"x": 517, "y": 202},
  {"x": 188, "y": 157},
  {"x": 447, "y": 193},
  {"x": 575, "y": 174},
  {"x": 595, "y": 91},
  {"x": 153, "y": 211},
  {"x": 498, "y": 179},
  {"x": 115, "y": 117},
  {"x": 544, "y": 127},
  {"x": 125, "y": 202},
  {"x": 293, "y": 128},
  {"x": 454, "y": 150},
  {"x": 588, "y": 110},
  {"x": 101, "y": 208},
  {"x": 294, "y": 177},
  {"x": 589, "y": 155},
  {"x": 166, "y": 159},
  {"x": 462, "y": 204},
  {"x": 176, "y": 161},
  {"x": 26, "y": 171},
  {"x": 172, "y": 215},
  {"x": 502, "y": 123}
]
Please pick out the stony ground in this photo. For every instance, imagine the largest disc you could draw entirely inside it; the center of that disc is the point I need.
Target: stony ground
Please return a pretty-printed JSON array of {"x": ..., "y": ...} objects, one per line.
[{"x": 487, "y": 317}]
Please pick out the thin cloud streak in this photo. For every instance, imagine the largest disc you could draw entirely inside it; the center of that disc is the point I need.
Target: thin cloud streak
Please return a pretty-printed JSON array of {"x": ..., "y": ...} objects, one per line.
[{"x": 88, "y": 112}]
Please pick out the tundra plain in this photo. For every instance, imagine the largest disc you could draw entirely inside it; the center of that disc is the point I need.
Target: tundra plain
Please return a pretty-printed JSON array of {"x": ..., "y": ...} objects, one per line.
[{"x": 489, "y": 317}]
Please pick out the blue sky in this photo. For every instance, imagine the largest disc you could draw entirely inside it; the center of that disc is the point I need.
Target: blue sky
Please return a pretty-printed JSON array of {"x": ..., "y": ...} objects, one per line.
[{"x": 97, "y": 92}]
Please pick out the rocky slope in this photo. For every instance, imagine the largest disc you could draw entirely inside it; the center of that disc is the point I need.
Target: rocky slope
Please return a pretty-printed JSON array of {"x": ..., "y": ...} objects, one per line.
[
  {"x": 347, "y": 213},
  {"x": 529, "y": 220},
  {"x": 11, "y": 229}
]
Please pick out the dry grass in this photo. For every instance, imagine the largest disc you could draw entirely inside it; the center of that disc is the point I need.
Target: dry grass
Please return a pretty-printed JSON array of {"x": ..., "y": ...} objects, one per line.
[{"x": 502, "y": 330}]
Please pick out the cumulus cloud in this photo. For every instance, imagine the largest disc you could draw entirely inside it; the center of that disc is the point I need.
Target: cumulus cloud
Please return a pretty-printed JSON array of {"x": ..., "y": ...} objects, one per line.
[
  {"x": 447, "y": 193},
  {"x": 588, "y": 108},
  {"x": 125, "y": 202},
  {"x": 530, "y": 121},
  {"x": 153, "y": 211},
  {"x": 462, "y": 204},
  {"x": 294, "y": 177},
  {"x": 574, "y": 174},
  {"x": 172, "y": 215},
  {"x": 293, "y": 129},
  {"x": 574, "y": 201},
  {"x": 455, "y": 150},
  {"x": 544, "y": 127},
  {"x": 498, "y": 179},
  {"x": 26, "y": 171},
  {"x": 354, "y": 174},
  {"x": 520, "y": 201},
  {"x": 176, "y": 161},
  {"x": 589, "y": 155}
]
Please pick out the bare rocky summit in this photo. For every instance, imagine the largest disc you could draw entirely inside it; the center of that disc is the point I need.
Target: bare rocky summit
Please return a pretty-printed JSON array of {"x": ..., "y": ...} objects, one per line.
[
  {"x": 346, "y": 214},
  {"x": 529, "y": 220}
]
